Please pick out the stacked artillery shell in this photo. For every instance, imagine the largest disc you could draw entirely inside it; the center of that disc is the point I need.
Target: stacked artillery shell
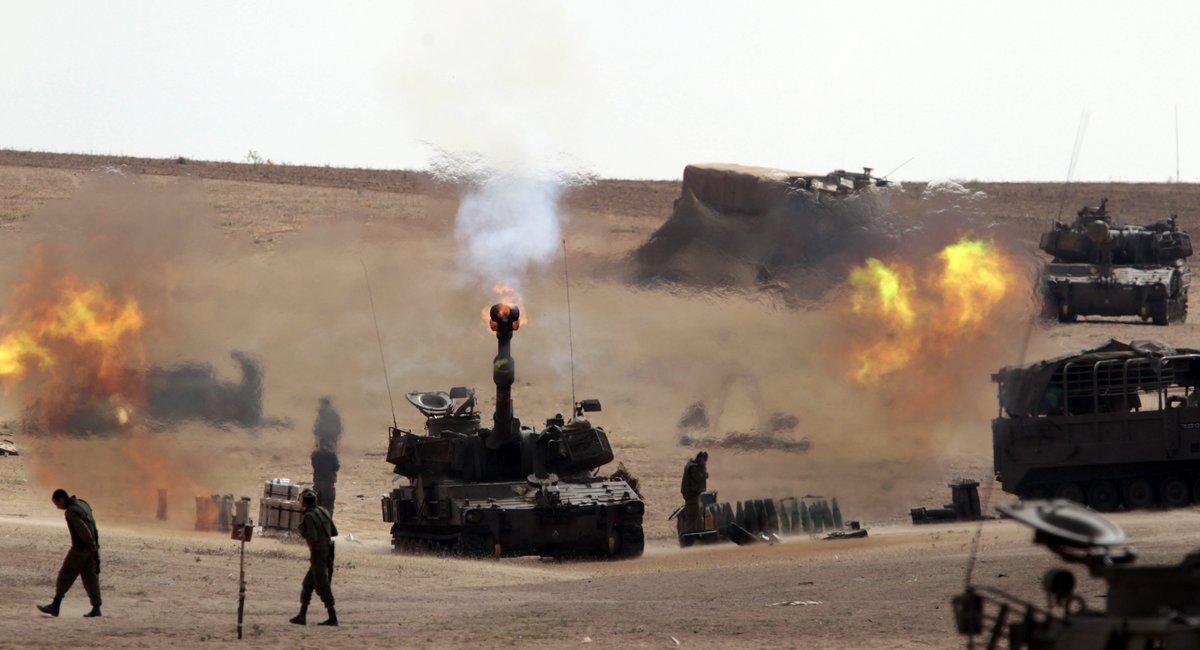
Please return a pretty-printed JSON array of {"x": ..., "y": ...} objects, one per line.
[
  {"x": 739, "y": 516},
  {"x": 797, "y": 524},
  {"x": 837, "y": 515},
  {"x": 772, "y": 516},
  {"x": 806, "y": 523},
  {"x": 785, "y": 522},
  {"x": 726, "y": 514}
]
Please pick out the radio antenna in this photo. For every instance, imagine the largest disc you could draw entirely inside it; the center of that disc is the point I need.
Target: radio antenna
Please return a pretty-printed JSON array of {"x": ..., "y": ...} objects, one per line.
[
  {"x": 379, "y": 339},
  {"x": 973, "y": 555},
  {"x": 1177, "y": 143},
  {"x": 1079, "y": 132},
  {"x": 570, "y": 325},
  {"x": 898, "y": 167}
]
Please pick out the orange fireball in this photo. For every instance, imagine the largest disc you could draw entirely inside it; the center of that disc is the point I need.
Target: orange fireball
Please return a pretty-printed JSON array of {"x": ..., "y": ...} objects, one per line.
[
  {"x": 506, "y": 297},
  {"x": 954, "y": 305}
]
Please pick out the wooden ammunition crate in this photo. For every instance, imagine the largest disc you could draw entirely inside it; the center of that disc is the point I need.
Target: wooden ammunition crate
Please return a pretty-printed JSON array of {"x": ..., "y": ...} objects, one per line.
[
  {"x": 287, "y": 492},
  {"x": 279, "y": 514}
]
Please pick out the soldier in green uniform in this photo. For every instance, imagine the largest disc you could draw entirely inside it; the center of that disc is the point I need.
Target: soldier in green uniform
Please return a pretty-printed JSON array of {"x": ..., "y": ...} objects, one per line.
[
  {"x": 318, "y": 530},
  {"x": 695, "y": 482},
  {"x": 84, "y": 557}
]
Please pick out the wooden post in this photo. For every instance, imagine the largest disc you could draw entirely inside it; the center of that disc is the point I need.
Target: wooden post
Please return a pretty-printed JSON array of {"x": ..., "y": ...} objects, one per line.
[
  {"x": 241, "y": 587},
  {"x": 242, "y": 532},
  {"x": 161, "y": 513}
]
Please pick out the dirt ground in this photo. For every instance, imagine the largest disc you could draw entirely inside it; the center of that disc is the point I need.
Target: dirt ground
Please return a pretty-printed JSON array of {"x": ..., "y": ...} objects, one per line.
[{"x": 275, "y": 267}]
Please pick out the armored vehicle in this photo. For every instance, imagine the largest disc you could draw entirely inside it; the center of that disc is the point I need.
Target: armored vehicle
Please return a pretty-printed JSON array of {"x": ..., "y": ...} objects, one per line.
[
  {"x": 1116, "y": 425},
  {"x": 1147, "y": 606},
  {"x": 508, "y": 489},
  {"x": 840, "y": 182},
  {"x": 1104, "y": 267}
]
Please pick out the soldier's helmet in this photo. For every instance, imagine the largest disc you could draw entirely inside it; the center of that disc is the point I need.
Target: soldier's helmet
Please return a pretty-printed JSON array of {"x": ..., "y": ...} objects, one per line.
[{"x": 308, "y": 497}]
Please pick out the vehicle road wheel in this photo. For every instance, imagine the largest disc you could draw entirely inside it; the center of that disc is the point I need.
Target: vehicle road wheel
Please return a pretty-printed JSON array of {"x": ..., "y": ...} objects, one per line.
[
  {"x": 1175, "y": 493},
  {"x": 1158, "y": 312},
  {"x": 1065, "y": 313},
  {"x": 1070, "y": 492},
  {"x": 1139, "y": 494},
  {"x": 1049, "y": 308},
  {"x": 1103, "y": 496},
  {"x": 1035, "y": 492},
  {"x": 474, "y": 545},
  {"x": 633, "y": 541}
]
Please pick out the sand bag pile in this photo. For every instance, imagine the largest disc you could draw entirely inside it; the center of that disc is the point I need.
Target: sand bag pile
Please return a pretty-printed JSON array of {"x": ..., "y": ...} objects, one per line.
[{"x": 749, "y": 228}]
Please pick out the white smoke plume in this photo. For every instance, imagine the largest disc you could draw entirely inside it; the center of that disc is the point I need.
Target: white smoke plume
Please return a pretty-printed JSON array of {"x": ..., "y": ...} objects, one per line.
[
  {"x": 508, "y": 224},
  {"x": 497, "y": 121},
  {"x": 509, "y": 221}
]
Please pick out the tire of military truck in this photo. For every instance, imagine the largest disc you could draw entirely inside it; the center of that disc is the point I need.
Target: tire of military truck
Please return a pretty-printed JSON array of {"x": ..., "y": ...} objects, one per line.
[
  {"x": 1103, "y": 496},
  {"x": 1175, "y": 493},
  {"x": 632, "y": 542},
  {"x": 1139, "y": 494}
]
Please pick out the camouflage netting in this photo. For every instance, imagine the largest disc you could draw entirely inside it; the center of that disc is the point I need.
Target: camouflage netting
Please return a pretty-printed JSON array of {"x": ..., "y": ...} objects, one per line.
[{"x": 742, "y": 227}]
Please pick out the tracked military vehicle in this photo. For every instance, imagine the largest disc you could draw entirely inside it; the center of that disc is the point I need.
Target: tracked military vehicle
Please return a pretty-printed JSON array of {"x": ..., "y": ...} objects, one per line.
[
  {"x": 508, "y": 489},
  {"x": 1114, "y": 426},
  {"x": 1146, "y": 606},
  {"x": 1105, "y": 267}
]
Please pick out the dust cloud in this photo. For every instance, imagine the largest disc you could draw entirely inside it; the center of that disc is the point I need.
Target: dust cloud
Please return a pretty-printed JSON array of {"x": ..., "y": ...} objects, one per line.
[{"x": 300, "y": 307}]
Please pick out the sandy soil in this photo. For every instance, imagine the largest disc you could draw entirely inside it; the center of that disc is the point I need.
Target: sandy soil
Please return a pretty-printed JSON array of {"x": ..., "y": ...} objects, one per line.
[{"x": 276, "y": 270}]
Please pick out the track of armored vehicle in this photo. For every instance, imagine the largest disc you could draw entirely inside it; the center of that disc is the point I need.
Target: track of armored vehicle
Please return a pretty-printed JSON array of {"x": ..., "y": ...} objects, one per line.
[
  {"x": 1104, "y": 267},
  {"x": 508, "y": 490}
]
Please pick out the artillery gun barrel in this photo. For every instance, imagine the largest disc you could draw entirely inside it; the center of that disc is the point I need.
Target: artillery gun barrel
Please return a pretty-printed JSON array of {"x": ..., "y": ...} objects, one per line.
[{"x": 505, "y": 319}]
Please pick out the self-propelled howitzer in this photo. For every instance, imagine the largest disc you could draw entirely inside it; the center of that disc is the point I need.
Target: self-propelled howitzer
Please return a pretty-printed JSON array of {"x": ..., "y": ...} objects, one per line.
[{"x": 508, "y": 489}]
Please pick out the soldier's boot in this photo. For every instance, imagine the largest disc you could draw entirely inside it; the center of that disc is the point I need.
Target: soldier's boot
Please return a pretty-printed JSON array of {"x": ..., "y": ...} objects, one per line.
[
  {"x": 52, "y": 608},
  {"x": 95, "y": 613},
  {"x": 302, "y": 617},
  {"x": 332, "y": 620}
]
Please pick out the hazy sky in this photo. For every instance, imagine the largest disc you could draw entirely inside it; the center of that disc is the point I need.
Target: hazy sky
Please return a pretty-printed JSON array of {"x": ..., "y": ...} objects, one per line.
[{"x": 989, "y": 90}]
